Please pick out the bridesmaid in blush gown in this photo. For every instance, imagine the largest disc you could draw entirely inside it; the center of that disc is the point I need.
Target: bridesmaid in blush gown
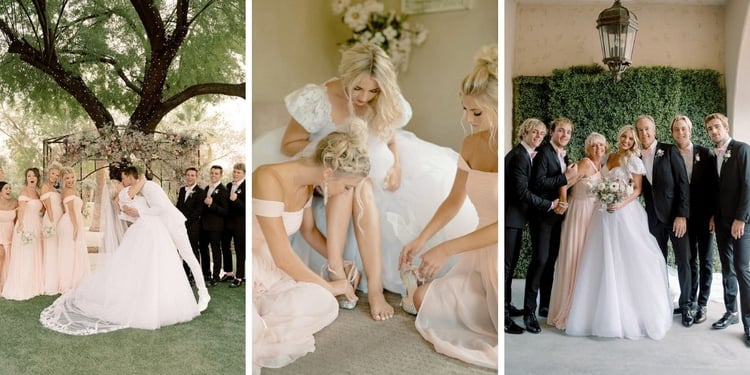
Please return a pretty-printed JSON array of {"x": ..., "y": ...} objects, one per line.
[
  {"x": 290, "y": 301},
  {"x": 621, "y": 285},
  {"x": 52, "y": 201},
  {"x": 25, "y": 272},
  {"x": 8, "y": 207},
  {"x": 73, "y": 260},
  {"x": 581, "y": 206},
  {"x": 457, "y": 313}
]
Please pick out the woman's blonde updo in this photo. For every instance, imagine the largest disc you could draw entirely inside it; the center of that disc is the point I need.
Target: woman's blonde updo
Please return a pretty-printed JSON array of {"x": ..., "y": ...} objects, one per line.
[
  {"x": 67, "y": 171},
  {"x": 346, "y": 152},
  {"x": 368, "y": 60},
  {"x": 482, "y": 84},
  {"x": 53, "y": 166},
  {"x": 633, "y": 151}
]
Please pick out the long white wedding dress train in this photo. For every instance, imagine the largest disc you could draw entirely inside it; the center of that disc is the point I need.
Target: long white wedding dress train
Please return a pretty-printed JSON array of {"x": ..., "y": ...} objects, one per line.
[{"x": 141, "y": 285}]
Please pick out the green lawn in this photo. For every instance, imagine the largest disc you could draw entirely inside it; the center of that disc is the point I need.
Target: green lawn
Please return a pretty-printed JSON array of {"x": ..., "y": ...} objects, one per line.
[{"x": 212, "y": 343}]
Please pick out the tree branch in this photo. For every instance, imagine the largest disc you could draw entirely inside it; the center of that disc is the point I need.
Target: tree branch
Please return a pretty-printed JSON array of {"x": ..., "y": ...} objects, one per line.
[{"x": 152, "y": 22}]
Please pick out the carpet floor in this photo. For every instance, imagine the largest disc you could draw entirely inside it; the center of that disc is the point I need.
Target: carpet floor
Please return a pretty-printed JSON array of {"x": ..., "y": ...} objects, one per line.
[{"x": 357, "y": 344}]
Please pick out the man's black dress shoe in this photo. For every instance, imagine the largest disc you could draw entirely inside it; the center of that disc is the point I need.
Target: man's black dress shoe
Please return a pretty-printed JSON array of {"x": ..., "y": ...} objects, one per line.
[
  {"x": 512, "y": 327},
  {"x": 226, "y": 278},
  {"x": 513, "y": 311},
  {"x": 687, "y": 317},
  {"x": 543, "y": 312},
  {"x": 212, "y": 282},
  {"x": 700, "y": 314},
  {"x": 677, "y": 311},
  {"x": 531, "y": 324},
  {"x": 747, "y": 339},
  {"x": 236, "y": 283},
  {"x": 726, "y": 320}
]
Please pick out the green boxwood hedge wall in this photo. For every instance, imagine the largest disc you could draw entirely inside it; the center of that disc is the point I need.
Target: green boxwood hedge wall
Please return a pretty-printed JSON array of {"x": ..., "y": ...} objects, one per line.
[{"x": 589, "y": 96}]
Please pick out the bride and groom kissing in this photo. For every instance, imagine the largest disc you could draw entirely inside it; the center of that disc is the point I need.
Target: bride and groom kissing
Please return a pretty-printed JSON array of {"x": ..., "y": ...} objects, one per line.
[{"x": 142, "y": 284}]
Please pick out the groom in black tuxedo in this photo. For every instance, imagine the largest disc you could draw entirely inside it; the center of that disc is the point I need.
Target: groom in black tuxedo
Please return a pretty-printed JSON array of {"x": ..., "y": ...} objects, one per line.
[
  {"x": 190, "y": 202},
  {"x": 518, "y": 200},
  {"x": 549, "y": 172},
  {"x": 704, "y": 180},
  {"x": 234, "y": 225},
  {"x": 212, "y": 224},
  {"x": 666, "y": 191},
  {"x": 731, "y": 220}
]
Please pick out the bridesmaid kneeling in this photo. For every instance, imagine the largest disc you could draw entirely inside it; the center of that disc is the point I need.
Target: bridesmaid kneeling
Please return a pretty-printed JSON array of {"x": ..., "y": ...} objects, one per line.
[{"x": 290, "y": 301}]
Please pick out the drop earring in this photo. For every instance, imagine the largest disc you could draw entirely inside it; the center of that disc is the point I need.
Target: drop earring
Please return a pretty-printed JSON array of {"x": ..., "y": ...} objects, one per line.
[{"x": 325, "y": 192}]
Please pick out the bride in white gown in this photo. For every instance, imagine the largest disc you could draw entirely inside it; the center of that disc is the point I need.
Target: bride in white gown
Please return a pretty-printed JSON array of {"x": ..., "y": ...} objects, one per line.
[
  {"x": 142, "y": 284},
  {"x": 622, "y": 284}
]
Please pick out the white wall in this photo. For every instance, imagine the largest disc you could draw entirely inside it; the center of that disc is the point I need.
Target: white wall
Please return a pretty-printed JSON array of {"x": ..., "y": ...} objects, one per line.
[{"x": 295, "y": 42}]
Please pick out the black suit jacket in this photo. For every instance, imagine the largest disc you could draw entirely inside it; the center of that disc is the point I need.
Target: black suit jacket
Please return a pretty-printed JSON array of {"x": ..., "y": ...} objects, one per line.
[
  {"x": 668, "y": 195},
  {"x": 518, "y": 197},
  {"x": 212, "y": 218},
  {"x": 734, "y": 184},
  {"x": 547, "y": 176},
  {"x": 704, "y": 182},
  {"x": 192, "y": 207},
  {"x": 235, "y": 218}
]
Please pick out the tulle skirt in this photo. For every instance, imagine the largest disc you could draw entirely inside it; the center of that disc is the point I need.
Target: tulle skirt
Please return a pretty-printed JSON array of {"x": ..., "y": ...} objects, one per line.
[
  {"x": 142, "y": 285},
  {"x": 621, "y": 284}
]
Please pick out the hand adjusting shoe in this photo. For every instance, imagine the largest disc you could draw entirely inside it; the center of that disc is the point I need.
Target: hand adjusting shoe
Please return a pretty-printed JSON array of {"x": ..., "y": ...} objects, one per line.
[
  {"x": 700, "y": 315},
  {"x": 726, "y": 320},
  {"x": 531, "y": 324},
  {"x": 687, "y": 317},
  {"x": 512, "y": 327},
  {"x": 513, "y": 311}
]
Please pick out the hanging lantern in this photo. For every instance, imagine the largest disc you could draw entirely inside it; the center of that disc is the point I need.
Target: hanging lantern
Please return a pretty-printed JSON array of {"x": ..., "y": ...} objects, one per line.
[{"x": 617, "y": 28}]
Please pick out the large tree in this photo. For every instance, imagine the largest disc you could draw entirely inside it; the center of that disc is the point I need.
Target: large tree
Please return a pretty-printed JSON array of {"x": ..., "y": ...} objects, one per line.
[{"x": 107, "y": 59}]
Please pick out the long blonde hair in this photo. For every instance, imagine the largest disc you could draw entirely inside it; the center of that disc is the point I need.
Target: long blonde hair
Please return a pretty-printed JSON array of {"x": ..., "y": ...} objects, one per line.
[
  {"x": 367, "y": 60},
  {"x": 482, "y": 85}
]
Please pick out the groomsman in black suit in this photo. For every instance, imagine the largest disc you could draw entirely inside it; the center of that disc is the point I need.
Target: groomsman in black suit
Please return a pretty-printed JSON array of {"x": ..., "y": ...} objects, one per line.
[
  {"x": 212, "y": 224},
  {"x": 234, "y": 226},
  {"x": 190, "y": 202},
  {"x": 549, "y": 172},
  {"x": 666, "y": 191},
  {"x": 704, "y": 180},
  {"x": 518, "y": 200},
  {"x": 731, "y": 220}
]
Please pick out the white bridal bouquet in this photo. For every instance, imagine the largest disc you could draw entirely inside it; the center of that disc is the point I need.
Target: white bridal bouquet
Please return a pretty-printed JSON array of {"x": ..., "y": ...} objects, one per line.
[
  {"x": 612, "y": 190},
  {"x": 27, "y": 237}
]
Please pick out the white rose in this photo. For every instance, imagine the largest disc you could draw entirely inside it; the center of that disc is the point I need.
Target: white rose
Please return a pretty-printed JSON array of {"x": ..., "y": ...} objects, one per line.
[
  {"x": 356, "y": 17},
  {"x": 390, "y": 33}
]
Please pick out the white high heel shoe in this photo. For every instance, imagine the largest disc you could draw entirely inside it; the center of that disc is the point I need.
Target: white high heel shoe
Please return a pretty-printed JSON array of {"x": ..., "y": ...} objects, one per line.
[
  {"x": 411, "y": 282},
  {"x": 352, "y": 275}
]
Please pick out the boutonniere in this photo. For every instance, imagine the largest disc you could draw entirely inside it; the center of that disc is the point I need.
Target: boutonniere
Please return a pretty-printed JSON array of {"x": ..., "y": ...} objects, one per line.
[
  {"x": 697, "y": 157},
  {"x": 659, "y": 153},
  {"x": 216, "y": 191},
  {"x": 238, "y": 191},
  {"x": 727, "y": 154}
]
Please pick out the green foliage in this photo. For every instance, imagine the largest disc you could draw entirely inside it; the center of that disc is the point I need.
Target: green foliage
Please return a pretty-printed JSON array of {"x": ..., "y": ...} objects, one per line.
[
  {"x": 94, "y": 40},
  {"x": 596, "y": 103}
]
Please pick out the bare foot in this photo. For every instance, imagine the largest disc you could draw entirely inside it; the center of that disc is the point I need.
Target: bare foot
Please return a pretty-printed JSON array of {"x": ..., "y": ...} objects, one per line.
[{"x": 379, "y": 308}]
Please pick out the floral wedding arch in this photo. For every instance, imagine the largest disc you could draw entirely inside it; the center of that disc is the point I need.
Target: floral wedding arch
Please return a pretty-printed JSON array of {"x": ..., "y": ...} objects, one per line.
[{"x": 162, "y": 155}]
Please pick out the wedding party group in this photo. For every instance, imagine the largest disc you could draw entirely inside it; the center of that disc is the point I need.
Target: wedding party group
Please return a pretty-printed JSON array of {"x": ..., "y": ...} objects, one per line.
[
  {"x": 598, "y": 254},
  {"x": 148, "y": 258},
  {"x": 352, "y": 202}
]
